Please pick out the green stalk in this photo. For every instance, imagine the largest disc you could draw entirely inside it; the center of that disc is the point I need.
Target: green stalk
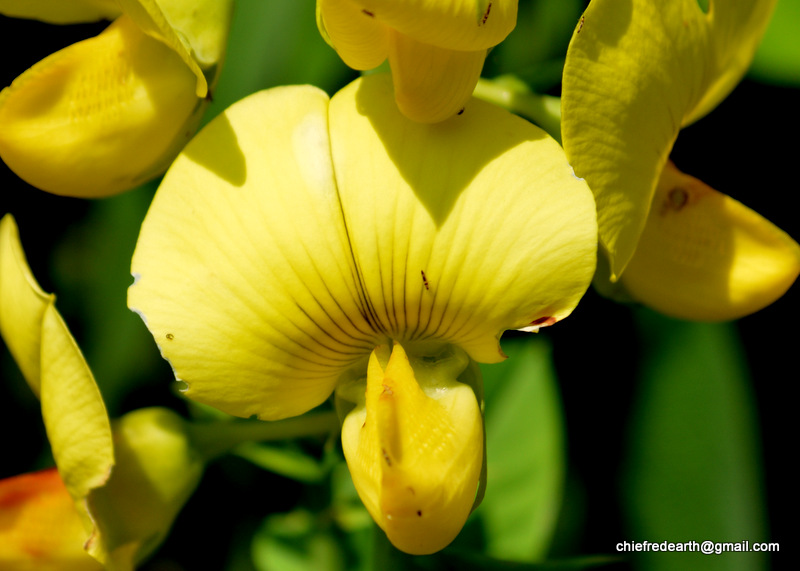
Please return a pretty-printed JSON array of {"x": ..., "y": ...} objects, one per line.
[
  {"x": 213, "y": 439},
  {"x": 513, "y": 94}
]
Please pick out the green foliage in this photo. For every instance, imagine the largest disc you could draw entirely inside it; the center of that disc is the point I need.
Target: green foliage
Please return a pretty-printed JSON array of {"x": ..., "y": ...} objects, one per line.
[
  {"x": 525, "y": 444},
  {"x": 535, "y": 50},
  {"x": 778, "y": 58},
  {"x": 693, "y": 467},
  {"x": 275, "y": 43}
]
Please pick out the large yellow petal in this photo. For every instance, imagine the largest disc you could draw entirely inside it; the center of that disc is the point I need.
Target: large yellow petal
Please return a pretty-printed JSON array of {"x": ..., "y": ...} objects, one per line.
[
  {"x": 461, "y": 229},
  {"x": 61, "y": 11},
  {"x": 360, "y": 40},
  {"x": 468, "y": 25},
  {"x": 260, "y": 294},
  {"x": 243, "y": 270},
  {"x": 414, "y": 446},
  {"x": 704, "y": 256},
  {"x": 432, "y": 84},
  {"x": 40, "y": 530},
  {"x": 99, "y": 117},
  {"x": 636, "y": 72}
]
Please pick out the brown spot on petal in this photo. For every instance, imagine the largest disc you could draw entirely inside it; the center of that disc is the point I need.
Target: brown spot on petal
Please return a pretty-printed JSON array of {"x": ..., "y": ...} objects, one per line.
[
  {"x": 460, "y": 111},
  {"x": 368, "y": 13},
  {"x": 425, "y": 280},
  {"x": 544, "y": 321},
  {"x": 677, "y": 198},
  {"x": 419, "y": 513},
  {"x": 580, "y": 25},
  {"x": 486, "y": 14},
  {"x": 387, "y": 390},
  {"x": 386, "y": 457},
  {"x": 170, "y": 336}
]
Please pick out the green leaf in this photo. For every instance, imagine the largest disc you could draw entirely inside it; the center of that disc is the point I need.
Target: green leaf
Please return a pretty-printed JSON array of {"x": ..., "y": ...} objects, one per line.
[
  {"x": 694, "y": 464},
  {"x": 535, "y": 50},
  {"x": 347, "y": 509},
  {"x": 284, "y": 459},
  {"x": 778, "y": 57},
  {"x": 92, "y": 274},
  {"x": 275, "y": 42},
  {"x": 476, "y": 562},
  {"x": 525, "y": 447},
  {"x": 294, "y": 542}
]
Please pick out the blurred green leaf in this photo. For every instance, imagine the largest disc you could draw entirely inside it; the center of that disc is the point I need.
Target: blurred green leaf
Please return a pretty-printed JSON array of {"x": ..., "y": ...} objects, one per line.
[
  {"x": 535, "y": 50},
  {"x": 285, "y": 459},
  {"x": 92, "y": 267},
  {"x": 313, "y": 536},
  {"x": 778, "y": 57},
  {"x": 387, "y": 558},
  {"x": 276, "y": 42},
  {"x": 477, "y": 562},
  {"x": 525, "y": 446},
  {"x": 348, "y": 510},
  {"x": 294, "y": 542},
  {"x": 694, "y": 465}
]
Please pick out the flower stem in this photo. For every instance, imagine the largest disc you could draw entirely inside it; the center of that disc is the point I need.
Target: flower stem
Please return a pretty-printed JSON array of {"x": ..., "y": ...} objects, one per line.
[
  {"x": 513, "y": 94},
  {"x": 215, "y": 438}
]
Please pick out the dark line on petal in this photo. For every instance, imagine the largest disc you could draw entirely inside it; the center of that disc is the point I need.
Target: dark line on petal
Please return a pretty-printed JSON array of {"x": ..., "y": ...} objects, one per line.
[
  {"x": 335, "y": 301},
  {"x": 328, "y": 334},
  {"x": 396, "y": 327},
  {"x": 367, "y": 311},
  {"x": 405, "y": 284}
]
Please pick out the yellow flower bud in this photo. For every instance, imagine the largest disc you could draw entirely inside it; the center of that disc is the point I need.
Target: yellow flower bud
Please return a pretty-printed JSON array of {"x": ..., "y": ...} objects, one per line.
[
  {"x": 156, "y": 472},
  {"x": 414, "y": 446}
]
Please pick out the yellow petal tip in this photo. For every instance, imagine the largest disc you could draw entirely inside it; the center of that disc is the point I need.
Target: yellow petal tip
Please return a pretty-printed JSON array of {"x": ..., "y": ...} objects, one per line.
[{"x": 704, "y": 256}]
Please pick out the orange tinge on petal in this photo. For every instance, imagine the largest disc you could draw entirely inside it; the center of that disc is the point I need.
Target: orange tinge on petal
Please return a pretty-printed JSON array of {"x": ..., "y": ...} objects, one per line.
[{"x": 40, "y": 529}]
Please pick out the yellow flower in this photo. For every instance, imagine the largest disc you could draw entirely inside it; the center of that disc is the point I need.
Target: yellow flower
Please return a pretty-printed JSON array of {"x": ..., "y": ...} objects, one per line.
[
  {"x": 109, "y": 113},
  {"x": 635, "y": 74},
  {"x": 302, "y": 245},
  {"x": 435, "y": 48},
  {"x": 127, "y": 479}
]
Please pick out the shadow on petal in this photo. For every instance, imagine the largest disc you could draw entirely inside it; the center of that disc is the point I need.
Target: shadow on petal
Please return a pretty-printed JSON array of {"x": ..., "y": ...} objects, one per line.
[
  {"x": 220, "y": 153},
  {"x": 438, "y": 161},
  {"x": 609, "y": 34}
]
